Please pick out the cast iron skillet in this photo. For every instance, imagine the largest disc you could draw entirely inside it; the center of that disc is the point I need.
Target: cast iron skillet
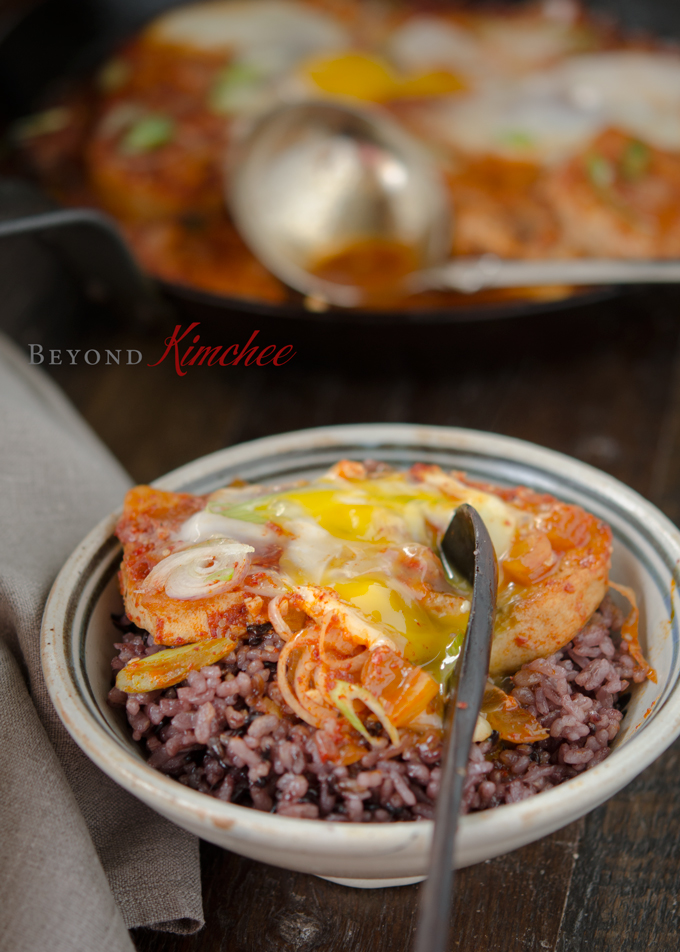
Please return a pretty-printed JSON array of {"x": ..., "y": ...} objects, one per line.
[{"x": 43, "y": 40}]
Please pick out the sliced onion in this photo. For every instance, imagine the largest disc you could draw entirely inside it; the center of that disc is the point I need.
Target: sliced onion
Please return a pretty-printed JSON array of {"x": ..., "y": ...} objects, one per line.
[
  {"x": 344, "y": 693},
  {"x": 322, "y": 603},
  {"x": 206, "y": 525},
  {"x": 210, "y": 568},
  {"x": 300, "y": 640},
  {"x": 307, "y": 696},
  {"x": 276, "y": 618},
  {"x": 269, "y": 584},
  {"x": 629, "y": 630},
  {"x": 347, "y": 662}
]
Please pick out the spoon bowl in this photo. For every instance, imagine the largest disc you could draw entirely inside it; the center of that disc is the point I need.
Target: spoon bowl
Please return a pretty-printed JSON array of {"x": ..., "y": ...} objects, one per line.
[{"x": 313, "y": 182}]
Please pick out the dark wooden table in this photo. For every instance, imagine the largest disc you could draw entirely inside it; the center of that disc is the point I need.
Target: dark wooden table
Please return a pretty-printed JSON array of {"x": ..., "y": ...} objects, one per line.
[{"x": 602, "y": 384}]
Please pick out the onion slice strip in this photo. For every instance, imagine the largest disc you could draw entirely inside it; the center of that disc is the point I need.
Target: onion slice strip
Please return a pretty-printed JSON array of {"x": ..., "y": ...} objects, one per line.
[
  {"x": 323, "y": 604},
  {"x": 342, "y": 696},
  {"x": 349, "y": 662},
  {"x": 629, "y": 630},
  {"x": 281, "y": 627},
  {"x": 300, "y": 640},
  {"x": 302, "y": 681},
  {"x": 200, "y": 571}
]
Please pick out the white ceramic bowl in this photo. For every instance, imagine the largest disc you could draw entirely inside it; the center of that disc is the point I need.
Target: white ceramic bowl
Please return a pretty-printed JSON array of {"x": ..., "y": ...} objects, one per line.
[{"x": 77, "y": 641}]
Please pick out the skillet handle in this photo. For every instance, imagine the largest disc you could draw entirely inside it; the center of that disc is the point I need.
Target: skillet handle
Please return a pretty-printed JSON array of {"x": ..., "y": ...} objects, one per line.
[{"x": 87, "y": 243}]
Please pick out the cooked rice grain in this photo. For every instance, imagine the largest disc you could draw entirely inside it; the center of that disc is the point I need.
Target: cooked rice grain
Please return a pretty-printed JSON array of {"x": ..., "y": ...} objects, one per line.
[{"x": 218, "y": 732}]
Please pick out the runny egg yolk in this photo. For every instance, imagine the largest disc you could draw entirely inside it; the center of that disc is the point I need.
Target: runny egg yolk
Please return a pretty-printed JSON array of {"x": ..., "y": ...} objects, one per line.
[
  {"x": 379, "y": 518},
  {"x": 429, "y": 637},
  {"x": 351, "y": 522},
  {"x": 363, "y": 514},
  {"x": 378, "y": 510},
  {"x": 392, "y": 509},
  {"x": 370, "y": 78}
]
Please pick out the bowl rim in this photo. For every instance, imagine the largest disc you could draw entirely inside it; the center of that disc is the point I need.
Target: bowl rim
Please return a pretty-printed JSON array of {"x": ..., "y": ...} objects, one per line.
[{"x": 564, "y": 802}]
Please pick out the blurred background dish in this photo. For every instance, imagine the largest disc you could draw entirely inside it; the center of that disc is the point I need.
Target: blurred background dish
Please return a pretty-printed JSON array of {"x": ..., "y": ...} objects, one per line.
[
  {"x": 556, "y": 131},
  {"x": 346, "y": 208}
]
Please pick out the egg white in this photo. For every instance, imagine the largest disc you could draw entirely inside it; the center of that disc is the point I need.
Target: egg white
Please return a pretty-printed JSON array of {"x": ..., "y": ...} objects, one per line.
[
  {"x": 263, "y": 41},
  {"x": 513, "y": 123},
  {"x": 251, "y": 25},
  {"x": 424, "y": 43},
  {"x": 519, "y": 44},
  {"x": 635, "y": 90},
  {"x": 514, "y": 109}
]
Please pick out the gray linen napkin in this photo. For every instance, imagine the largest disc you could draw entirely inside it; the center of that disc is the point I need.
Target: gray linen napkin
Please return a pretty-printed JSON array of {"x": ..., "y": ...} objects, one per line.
[{"x": 80, "y": 859}]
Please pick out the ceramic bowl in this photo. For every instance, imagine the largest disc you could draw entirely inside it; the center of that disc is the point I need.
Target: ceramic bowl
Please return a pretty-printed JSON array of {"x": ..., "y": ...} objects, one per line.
[{"x": 78, "y": 636}]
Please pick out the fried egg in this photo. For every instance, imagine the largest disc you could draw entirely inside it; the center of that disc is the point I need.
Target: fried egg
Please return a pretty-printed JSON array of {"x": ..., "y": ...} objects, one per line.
[
  {"x": 245, "y": 26},
  {"x": 532, "y": 40},
  {"x": 424, "y": 43},
  {"x": 486, "y": 48},
  {"x": 553, "y": 114},
  {"x": 513, "y": 123},
  {"x": 636, "y": 91},
  {"x": 357, "y": 75},
  {"x": 262, "y": 40}
]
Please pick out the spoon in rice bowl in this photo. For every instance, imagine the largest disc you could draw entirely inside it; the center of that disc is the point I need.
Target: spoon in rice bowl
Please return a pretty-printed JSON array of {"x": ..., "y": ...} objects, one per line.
[
  {"x": 345, "y": 206},
  {"x": 466, "y": 549}
]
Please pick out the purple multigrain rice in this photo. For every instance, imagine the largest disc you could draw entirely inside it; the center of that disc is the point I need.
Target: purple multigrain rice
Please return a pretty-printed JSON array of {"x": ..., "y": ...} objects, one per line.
[{"x": 217, "y": 733}]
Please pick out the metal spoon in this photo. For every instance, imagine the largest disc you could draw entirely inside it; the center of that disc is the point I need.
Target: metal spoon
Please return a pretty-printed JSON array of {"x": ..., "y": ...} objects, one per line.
[
  {"x": 310, "y": 180},
  {"x": 467, "y": 548}
]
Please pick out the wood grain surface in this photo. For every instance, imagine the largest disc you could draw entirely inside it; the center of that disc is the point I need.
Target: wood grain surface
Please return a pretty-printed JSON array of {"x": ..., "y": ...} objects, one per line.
[{"x": 602, "y": 384}]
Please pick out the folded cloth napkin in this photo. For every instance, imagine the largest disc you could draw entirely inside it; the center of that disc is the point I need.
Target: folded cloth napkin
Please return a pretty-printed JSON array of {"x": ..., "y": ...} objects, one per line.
[{"x": 80, "y": 859}]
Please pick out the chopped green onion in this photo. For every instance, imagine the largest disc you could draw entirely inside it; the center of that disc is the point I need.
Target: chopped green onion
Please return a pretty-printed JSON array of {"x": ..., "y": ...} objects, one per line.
[
  {"x": 119, "y": 118},
  {"x": 516, "y": 138},
  {"x": 600, "y": 170},
  {"x": 165, "y": 668},
  {"x": 41, "y": 123},
  {"x": 146, "y": 134},
  {"x": 223, "y": 576},
  {"x": 113, "y": 75},
  {"x": 259, "y": 509},
  {"x": 635, "y": 161},
  {"x": 233, "y": 87},
  {"x": 342, "y": 696},
  {"x": 245, "y": 511}
]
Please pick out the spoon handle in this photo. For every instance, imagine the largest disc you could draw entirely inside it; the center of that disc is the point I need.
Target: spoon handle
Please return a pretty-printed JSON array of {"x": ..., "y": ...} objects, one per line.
[
  {"x": 488, "y": 271},
  {"x": 463, "y": 707}
]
